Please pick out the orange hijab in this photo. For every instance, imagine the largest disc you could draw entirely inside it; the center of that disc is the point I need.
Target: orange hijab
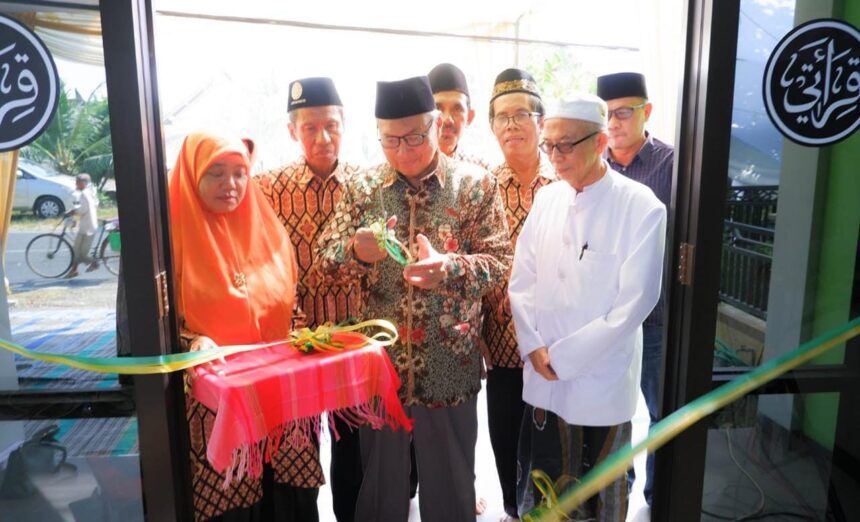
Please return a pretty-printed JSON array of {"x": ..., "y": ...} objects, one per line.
[{"x": 235, "y": 271}]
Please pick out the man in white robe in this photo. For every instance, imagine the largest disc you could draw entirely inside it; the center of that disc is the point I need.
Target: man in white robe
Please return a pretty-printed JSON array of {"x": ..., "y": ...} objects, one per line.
[{"x": 587, "y": 271}]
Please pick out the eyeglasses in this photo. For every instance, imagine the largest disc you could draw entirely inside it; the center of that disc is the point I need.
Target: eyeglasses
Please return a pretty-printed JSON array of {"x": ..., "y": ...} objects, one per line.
[
  {"x": 411, "y": 140},
  {"x": 624, "y": 113},
  {"x": 500, "y": 121},
  {"x": 565, "y": 147}
]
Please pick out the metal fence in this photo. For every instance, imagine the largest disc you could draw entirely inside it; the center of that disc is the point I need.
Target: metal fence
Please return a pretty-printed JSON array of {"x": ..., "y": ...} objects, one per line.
[{"x": 748, "y": 233}]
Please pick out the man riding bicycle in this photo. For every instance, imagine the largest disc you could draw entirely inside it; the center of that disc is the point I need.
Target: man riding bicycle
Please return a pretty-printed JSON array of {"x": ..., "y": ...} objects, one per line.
[{"x": 85, "y": 209}]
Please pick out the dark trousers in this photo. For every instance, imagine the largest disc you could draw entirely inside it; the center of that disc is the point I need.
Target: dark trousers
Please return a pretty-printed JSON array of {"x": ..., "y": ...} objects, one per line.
[
  {"x": 652, "y": 355},
  {"x": 565, "y": 453},
  {"x": 504, "y": 417},
  {"x": 445, "y": 450},
  {"x": 345, "y": 470}
]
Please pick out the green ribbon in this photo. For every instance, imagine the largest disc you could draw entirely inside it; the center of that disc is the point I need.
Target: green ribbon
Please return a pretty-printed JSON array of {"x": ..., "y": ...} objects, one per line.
[
  {"x": 616, "y": 465},
  {"x": 321, "y": 338}
]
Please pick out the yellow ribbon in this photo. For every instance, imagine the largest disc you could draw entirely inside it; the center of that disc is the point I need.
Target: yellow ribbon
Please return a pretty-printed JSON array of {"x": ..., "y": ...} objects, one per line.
[
  {"x": 547, "y": 489},
  {"x": 319, "y": 338},
  {"x": 305, "y": 339}
]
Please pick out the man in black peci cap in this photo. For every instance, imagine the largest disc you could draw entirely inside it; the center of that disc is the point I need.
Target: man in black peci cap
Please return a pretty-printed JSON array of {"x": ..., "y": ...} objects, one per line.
[
  {"x": 449, "y": 215},
  {"x": 303, "y": 194},
  {"x": 516, "y": 118},
  {"x": 634, "y": 152},
  {"x": 451, "y": 93}
]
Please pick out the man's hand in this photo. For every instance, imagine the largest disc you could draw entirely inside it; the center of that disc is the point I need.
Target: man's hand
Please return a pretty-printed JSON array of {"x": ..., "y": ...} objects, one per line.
[
  {"x": 540, "y": 361},
  {"x": 429, "y": 271},
  {"x": 201, "y": 342},
  {"x": 365, "y": 247}
]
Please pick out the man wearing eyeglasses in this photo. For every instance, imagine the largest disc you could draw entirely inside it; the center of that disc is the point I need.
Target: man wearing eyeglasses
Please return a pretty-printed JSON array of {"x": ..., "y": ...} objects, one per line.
[
  {"x": 586, "y": 273},
  {"x": 303, "y": 194},
  {"x": 637, "y": 154},
  {"x": 449, "y": 215},
  {"x": 516, "y": 118}
]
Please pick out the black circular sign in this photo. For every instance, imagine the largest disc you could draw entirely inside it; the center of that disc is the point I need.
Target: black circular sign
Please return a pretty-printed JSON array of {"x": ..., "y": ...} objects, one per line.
[
  {"x": 812, "y": 83},
  {"x": 29, "y": 85}
]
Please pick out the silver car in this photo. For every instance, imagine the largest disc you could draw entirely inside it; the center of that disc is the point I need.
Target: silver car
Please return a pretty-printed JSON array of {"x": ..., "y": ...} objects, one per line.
[{"x": 49, "y": 194}]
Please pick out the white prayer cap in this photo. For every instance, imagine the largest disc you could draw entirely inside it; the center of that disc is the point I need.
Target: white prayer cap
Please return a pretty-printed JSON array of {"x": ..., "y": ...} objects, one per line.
[{"x": 579, "y": 106}]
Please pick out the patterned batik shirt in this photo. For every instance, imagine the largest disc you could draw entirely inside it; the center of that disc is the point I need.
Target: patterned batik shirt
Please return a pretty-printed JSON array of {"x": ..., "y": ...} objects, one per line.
[
  {"x": 471, "y": 158},
  {"x": 499, "y": 334},
  {"x": 304, "y": 203},
  {"x": 459, "y": 209}
]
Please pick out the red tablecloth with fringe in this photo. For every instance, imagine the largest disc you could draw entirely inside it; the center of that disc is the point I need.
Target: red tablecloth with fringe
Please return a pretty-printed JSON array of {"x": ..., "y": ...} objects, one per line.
[{"x": 260, "y": 398}]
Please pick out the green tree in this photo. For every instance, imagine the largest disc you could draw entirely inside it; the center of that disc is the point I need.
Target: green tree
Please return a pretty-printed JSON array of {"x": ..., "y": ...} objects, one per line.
[
  {"x": 557, "y": 72},
  {"x": 78, "y": 138}
]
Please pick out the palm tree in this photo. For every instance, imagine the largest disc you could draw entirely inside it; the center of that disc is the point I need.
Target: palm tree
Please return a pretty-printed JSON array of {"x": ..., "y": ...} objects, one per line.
[{"x": 78, "y": 138}]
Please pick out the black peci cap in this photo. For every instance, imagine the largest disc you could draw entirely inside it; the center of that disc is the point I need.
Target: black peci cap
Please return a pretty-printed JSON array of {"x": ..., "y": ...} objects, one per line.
[
  {"x": 621, "y": 85},
  {"x": 404, "y": 98},
  {"x": 312, "y": 92},
  {"x": 447, "y": 77},
  {"x": 514, "y": 80}
]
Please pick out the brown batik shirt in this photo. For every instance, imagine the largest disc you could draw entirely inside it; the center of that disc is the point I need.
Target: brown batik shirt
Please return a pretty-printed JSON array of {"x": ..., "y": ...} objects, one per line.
[
  {"x": 304, "y": 203},
  {"x": 499, "y": 334},
  {"x": 459, "y": 209},
  {"x": 471, "y": 158}
]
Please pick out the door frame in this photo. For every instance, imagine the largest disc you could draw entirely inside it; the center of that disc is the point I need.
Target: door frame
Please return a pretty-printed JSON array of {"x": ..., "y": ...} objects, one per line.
[
  {"x": 128, "y": 35},
  {"x": 157, "y": 400},
  {"x": 702, "y": 157}
]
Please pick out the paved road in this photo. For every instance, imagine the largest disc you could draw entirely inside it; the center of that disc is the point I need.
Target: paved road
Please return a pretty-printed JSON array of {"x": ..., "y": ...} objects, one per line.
[{"x": 29, "y": 290}]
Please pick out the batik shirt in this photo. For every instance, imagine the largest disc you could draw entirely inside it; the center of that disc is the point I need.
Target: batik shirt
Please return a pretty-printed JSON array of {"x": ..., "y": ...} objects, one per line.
[
  {"x": 471, "y": 158},
  {"x": 459, "y": 209},
  {"x": 304, "y": 203},
  {"x": 499, "y": 334}
]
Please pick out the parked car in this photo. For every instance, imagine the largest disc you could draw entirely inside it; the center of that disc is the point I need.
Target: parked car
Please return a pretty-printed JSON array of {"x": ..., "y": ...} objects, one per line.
[{"x": 49, "y": 194}]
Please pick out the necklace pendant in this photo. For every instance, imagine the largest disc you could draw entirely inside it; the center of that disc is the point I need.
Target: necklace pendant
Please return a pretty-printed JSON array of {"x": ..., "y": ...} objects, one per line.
[{"x": 238, "y": 279}]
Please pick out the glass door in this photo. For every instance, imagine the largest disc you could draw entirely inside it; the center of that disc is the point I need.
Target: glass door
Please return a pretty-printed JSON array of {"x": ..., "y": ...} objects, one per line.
[
  {"x": 769, "y": 232},
  {"x": 76, "y": 445}
]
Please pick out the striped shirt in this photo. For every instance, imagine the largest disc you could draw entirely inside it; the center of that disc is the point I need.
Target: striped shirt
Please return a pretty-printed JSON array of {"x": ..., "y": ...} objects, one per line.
[{"x": 652, "y": 166}]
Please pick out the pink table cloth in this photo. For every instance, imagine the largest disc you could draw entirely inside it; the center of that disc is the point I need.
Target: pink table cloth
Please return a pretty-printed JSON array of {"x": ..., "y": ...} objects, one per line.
[{"x": 275, "y": 395}]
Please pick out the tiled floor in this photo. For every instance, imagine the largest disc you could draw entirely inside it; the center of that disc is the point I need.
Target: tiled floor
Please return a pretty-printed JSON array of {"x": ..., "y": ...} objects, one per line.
[
  {"x": 30, "y": 331},
  {"x": 486, "y": 483}
]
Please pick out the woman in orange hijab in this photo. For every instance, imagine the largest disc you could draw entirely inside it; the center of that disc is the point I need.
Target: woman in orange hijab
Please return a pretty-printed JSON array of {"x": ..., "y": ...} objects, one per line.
[{"x": 235, "y": 280}]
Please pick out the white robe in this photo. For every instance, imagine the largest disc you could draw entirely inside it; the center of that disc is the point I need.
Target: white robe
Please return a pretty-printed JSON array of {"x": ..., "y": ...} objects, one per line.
[{"x": 587, "y": 271}]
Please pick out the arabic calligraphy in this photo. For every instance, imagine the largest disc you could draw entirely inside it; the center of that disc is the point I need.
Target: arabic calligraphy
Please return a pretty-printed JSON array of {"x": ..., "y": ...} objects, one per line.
[
  {"x": 28, "y": 85},
  {"x": 27, "y": 88},
  {"x": 812, "y": 82}
]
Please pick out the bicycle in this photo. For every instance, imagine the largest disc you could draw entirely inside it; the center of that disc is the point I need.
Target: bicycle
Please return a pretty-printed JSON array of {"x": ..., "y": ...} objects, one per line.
[{"x": 51, "y": 255}]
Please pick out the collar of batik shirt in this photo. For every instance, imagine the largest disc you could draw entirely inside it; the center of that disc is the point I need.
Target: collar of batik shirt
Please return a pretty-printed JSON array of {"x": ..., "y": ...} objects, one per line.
[
  {"x": 545, "y": 170},
  {"x": 392, "y": 175},
  {"x": 308, "y": 174}
]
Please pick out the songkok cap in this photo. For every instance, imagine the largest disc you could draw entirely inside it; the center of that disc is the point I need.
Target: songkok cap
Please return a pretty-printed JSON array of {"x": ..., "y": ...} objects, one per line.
[
  {"x": 447, "y": 77},
  {"x": 312, "y": 92},
  {"x": 621, "y": 85},
  {"x": 579, "y": 106},
  {"x": 514, "y": 80},
  {"x": 404, "y": 98}
]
